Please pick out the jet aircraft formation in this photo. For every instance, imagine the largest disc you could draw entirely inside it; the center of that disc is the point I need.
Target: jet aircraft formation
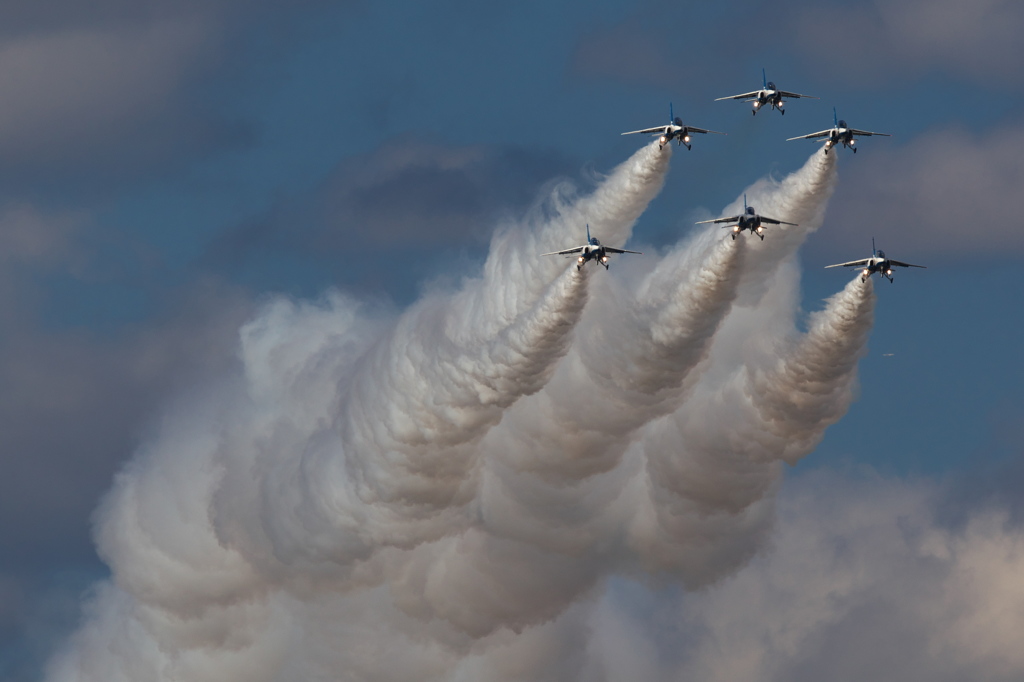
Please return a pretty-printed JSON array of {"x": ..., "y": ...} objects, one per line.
[{"x": 769, "y": 95}]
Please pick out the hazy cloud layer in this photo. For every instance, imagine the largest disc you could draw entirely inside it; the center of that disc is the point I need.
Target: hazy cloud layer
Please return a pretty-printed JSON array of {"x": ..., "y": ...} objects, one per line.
[
  {"x": 644, "y": 49},
  {"x": 411, "y": 192},
  {"x": 866, "y": 43},
  {"x": 972, "y": 41},
  {"x": 98, "y": 95},
  {"x": 862, "y": 580},
  {"x": 75, "y": 403},
  {"x": 948, "y": 191},
  {"x": 407, "y": 205}
]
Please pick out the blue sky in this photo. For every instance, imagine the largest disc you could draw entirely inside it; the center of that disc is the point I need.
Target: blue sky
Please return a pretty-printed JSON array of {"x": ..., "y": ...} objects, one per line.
[{"x": 166, "y": 167}]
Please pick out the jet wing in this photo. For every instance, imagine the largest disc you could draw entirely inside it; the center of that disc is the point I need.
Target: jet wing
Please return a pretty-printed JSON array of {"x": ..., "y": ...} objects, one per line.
[
  {"x": 794, "y": 95},
  {"x": 702, "y": 130},
  {"x": 755, "y": 93},
  {"x": 564, "y": 253},
  {"x": 773, "y": 221},
  {"x": 852, "y": 264},
  {"x": 905, "y": 265},
  {"x": 811, "y": 136},
  {"x": 866, "y": 133},
  {"x": 733, "y": 219},
  {"x": 659, "y": 129},
  {"x": 611, "y": 249}
]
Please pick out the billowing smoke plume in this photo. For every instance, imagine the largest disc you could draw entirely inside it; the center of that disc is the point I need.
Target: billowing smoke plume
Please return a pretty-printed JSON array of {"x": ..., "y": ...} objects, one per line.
[
  {"x": 713, "y": 462},
  {"x": 436, "y": 496},
  {"x": 811, "y": 386}
]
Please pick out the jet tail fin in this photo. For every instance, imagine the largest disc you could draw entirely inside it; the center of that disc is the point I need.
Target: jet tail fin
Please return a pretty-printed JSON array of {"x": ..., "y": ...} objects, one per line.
[
  {"x": 835, "y": 117},
  {"x": 744, "y": 202},
  {"x": 873, "y": 251},
  {"x": 764, "y": 79},
  {"x": 671, "y": 115},
  {"x": 588, "y": 236}
]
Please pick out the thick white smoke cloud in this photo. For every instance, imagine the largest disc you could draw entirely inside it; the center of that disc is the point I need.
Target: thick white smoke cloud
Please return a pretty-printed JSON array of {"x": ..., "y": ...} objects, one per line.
[
  {"x": 434, "y": 496},
  {"x": 866, "y": 580},
  {"x": 713, "y": 462}
]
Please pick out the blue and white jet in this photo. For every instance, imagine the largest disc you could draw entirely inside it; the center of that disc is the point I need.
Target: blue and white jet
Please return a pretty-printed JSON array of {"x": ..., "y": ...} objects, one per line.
[
  {"x": 593, "y": 250},
  {"x": 768, "y": 95},
  {"x": 748, "y": 220},
  {"x": 674, "y": 130},
  {"x": 840, "y": 133},
  {"x": 878, "y": 262}
]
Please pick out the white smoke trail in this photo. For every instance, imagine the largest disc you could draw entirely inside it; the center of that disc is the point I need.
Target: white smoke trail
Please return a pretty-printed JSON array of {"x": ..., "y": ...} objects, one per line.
[
  {"x": 801, "y": 198},
  {"x": 555, "y": 484},
  {"x": 714, "y": 463},
  {"x": 338, "y": 441},
  {"x": 476, "y": 355},
  {"x": 627, "y": 366},
  {"x": 473, "y": 355},
  {"x": 556, "y": 516},
  {"x": 812, "y": 387},
  {"x": 549, "y": 501},
  {"x": 413, "y": 413},
  {"x": 434, "y": 497},
  {"x": 331, "y": 492}
]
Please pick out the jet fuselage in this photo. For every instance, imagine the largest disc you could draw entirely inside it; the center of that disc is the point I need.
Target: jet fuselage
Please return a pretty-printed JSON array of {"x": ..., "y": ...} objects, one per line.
[
  {"x": 675, "y": 131},
  {"x": 594, "y": 251},
  {"x": 769, "y": 96},
  {"x": 841, "y": 134},
  {"x": 879, "y": 264}
]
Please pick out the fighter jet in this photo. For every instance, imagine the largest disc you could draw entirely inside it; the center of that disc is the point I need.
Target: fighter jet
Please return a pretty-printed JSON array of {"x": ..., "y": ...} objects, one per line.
[
  {"x": 840, "y": 133},
  {"x": 767, "y": 95},
  {"x": 593, "y": 250},
  {"x": 877, "y": 263},
  {"x": 674, "y": 130},
  {"x": 748, "y": 220}
]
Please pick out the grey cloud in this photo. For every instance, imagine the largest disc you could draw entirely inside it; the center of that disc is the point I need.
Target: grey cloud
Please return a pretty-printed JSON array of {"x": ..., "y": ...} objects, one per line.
[
  {"x": 863, "y": 581},
  {"x": 108, "y": 91},
  {"x": 72, "y": 408},
  {"x": 66, "y": 86},
  {"x": 30, "y": 235},
  {"x": 22, "y": 16},
  {"x": 73, "y": 399},
  {"x": 425, "y": 193},
  {"x": 947, "y": 191},
  {"x": 629, "y": 52},
  {"x": 869, "y": 43},
  {"x": 106, "y": 97},
  {"x": 645, "y": 48},
  {"x": 31, "y": 17},
  {"x": 396, "y": 209},
  {"x": 977, "y": 41}
]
